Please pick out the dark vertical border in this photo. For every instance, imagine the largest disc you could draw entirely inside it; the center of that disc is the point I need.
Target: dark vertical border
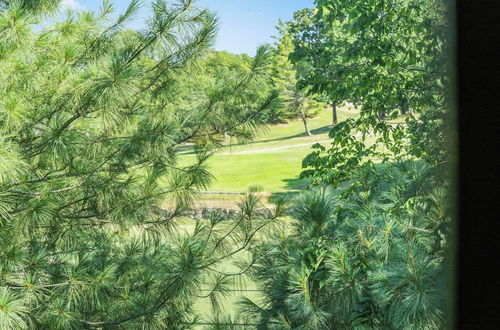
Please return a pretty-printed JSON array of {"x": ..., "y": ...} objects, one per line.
[{"x": 478, "y": 304}]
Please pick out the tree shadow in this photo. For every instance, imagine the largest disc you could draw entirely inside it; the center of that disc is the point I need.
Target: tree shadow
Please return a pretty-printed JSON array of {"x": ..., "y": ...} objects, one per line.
[
  {"x": 293, "y": 187},
  {"x": 314, "y": 131},
  {"x": 187, "y": 150}
]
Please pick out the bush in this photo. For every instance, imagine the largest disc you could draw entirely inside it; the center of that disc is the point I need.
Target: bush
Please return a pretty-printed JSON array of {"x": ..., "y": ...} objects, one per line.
[{"x": 368, "y": 257}]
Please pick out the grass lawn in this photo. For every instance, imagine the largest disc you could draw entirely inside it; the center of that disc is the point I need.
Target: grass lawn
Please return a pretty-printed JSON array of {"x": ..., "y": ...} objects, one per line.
[
  {"x": 288, "y": 134},
  {"x": 273, "y": 171},
  {"x": 236, "y": 168}
]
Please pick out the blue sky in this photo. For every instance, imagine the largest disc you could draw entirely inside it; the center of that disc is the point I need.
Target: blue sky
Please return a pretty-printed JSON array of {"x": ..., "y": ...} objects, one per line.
[{"x": 243, "y": 24}]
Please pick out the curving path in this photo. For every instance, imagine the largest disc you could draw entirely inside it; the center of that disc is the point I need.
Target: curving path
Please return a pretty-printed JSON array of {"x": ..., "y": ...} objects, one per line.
[{"x": 260, "y": 151}]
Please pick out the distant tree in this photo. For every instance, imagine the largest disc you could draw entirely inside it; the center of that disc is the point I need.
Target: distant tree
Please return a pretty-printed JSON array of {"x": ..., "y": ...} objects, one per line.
[
  {"x": 295, "y": 100},
  {"x": 219, "y": 67},
  {"x": 298, "y": 103},
  {"x": 92, "y": 117},
  {"x": 309, "y": 36}
]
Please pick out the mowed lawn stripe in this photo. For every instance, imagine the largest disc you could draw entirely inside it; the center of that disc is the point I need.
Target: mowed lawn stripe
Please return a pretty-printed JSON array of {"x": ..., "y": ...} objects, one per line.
[
  {"x": 273, "y": 161},
  {"x": 276, "y": 171}
]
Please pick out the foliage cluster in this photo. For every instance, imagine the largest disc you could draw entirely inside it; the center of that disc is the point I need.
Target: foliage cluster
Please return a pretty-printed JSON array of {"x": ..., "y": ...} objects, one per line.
[
  {"x": 387, "y": 57},
  {"x": 369, "y": 243},
  {"x": 368, "y": 258},
  {"x": 92, "y": 116}
]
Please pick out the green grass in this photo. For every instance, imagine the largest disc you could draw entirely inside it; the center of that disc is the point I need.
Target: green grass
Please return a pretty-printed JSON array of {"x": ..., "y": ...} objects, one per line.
[
  {"x": 276, "y": 171},
  {"x": 294, "y": 133},
  {"x": 228, "y": 303},
  {"x": 291, "y": 133}
]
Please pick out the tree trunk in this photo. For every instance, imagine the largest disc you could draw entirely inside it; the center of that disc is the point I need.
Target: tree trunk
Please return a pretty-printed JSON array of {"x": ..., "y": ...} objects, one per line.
[
  {"x": 404, "y": 107},
  {"x": 381, "y": 115},
  {"x": 334, "y": 113},
  {"x": 304, "y": 120}
]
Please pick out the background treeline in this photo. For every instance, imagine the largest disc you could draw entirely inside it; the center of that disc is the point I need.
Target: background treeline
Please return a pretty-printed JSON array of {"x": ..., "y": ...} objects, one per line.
[
  {"x": 92, "y": 117},
  {"x": 279, "y": 75}
]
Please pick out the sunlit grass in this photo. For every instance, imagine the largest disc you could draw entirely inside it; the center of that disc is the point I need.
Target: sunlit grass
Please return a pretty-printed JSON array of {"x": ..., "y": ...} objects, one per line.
[{"x": 272, "y": 170}]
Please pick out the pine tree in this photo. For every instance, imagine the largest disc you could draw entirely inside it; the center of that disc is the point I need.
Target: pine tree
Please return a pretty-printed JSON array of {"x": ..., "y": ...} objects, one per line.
[
  {"x": 366, "y": 257},
  {"x": 92, "y": 117},
  {"x": 295, "y": 101},
  {"x": 34, "y": 7}
]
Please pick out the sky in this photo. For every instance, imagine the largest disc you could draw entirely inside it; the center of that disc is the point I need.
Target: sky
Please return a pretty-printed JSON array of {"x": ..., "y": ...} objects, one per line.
[{"x": 243, "y": 24}]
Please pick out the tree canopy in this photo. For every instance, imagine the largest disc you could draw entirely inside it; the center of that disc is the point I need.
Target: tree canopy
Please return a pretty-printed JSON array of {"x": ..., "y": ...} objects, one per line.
[
  {"x": 91, "y": 120},
  {"x": 387, "y": 57},
  {"x": 94, "y": 117}
]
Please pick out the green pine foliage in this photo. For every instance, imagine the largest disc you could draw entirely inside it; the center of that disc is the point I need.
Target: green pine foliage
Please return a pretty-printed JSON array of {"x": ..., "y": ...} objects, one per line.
[
  {"x": 364, "y": 257},
  {"x": 92, "y": 116},
  {"x": 34, "y": 7}
]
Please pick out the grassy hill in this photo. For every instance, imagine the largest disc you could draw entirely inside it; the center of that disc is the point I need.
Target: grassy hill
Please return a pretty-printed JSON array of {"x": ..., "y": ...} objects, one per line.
[{"x": 272, "y": 161}]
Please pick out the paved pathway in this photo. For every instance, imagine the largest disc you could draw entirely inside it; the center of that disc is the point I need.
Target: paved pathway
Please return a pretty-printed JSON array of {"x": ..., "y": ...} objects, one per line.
[{"x": 259, "y": 151}]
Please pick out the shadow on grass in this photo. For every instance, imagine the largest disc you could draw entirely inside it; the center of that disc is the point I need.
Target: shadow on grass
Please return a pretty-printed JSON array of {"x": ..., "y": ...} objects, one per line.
[
  {"x": 293, "y": 187},
  {"x": 320, "y": 130},
  {"x": 187, "y": 150}
]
